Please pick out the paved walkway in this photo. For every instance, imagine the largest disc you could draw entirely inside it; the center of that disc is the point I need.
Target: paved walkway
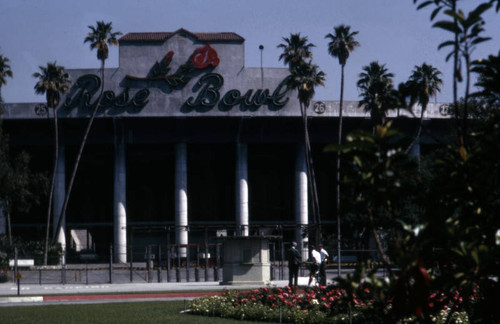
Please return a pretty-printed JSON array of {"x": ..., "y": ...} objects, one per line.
[{"x": 70, "y": 294}]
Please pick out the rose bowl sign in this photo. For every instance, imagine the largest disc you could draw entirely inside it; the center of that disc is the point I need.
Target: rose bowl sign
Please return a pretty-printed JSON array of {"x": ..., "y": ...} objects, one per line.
[{"x": 206, "y": 91}]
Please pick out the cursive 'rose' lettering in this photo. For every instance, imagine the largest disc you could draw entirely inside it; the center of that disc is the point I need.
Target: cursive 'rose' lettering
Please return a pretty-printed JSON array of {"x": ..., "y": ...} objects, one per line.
[{"x": 87, "y": 86}]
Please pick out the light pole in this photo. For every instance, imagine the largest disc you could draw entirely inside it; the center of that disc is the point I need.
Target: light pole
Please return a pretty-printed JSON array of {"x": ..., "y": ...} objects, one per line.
[{"x": 261, "y": 47}]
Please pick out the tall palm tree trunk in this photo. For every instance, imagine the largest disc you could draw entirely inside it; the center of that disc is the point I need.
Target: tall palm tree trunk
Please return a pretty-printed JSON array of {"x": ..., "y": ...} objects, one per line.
[
  {"x": 416, "y": 138},
  {"x": 52, "y": 183},
  {"x": 7, "y": 215},
  {"x": 62, "y": 216},
  {"x": 311, "y": 176},
  {"x": 1, "y": 104},
  {"x": 467, "y": 89},
  {"x": 315, "y": 195},
  {"x": 339, "y": 141},
  {"x": 460, "y": 130}
]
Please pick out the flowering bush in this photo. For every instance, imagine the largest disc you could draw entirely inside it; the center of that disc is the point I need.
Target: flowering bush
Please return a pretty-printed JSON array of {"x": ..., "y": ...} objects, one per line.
[{"x": 330, "y": 304}]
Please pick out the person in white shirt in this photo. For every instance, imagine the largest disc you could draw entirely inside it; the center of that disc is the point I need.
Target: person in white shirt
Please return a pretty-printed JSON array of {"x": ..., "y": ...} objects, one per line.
[
  {"x": 315, "y": 263},
  {"x": 322, "y": 267}
]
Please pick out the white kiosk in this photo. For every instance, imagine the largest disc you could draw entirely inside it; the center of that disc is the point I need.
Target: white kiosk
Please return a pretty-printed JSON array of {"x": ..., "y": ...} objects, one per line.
[{"x": 246, "y": 260}]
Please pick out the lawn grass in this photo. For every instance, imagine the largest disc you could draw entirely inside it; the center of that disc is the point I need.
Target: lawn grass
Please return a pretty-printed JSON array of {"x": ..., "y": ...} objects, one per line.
[
  {"x": 90, "y": 293},
  {"x": 136, "y": 312}
]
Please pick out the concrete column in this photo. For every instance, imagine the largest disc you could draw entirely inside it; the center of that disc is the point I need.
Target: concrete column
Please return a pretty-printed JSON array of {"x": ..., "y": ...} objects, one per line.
[
  {"x": 120, "y": 197},
  {"x": 181, "y": 200},
  {"x": 301, "y": 200},
  {"x": 59, "y": 195},
  {"x": 242, "y": 189}
]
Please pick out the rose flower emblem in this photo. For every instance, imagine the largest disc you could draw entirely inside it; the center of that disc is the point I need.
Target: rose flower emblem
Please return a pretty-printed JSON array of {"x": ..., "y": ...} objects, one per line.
[{"x": 204, "y": 56}]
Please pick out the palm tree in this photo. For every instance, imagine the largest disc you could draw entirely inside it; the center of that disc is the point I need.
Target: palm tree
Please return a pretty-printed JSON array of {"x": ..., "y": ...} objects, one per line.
[
  {"x": 488, "y": 78},
  {"x": 295, "y": 50},
  {"x": 5, "y": 72},
  {"x": 304, "y": 77},
  {"x": 377, "y": 92},
  {"x": 99, "y": 37},
  {"x": 451, "y": 7},
  {"x": 53, "y": 81},
  {"x": 341, "y": 44},
  {"x": 467, "y": 30},
  {"x": 404, "y": 97},
  {"x": 424, "y": 83}
]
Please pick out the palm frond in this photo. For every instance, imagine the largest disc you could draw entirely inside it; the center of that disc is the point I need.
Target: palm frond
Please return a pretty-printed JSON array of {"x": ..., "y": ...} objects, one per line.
[{"x": 53, "y": 80}]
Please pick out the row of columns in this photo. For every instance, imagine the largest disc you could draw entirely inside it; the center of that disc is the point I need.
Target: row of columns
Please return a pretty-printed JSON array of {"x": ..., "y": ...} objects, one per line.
[
  {"x": 181, "y": 195},
  {"x": 242, "y": 201}
]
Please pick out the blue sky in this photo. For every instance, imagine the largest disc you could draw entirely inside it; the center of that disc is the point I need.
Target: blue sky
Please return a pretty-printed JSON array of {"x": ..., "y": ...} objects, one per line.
[{"x": 393, "y": 32}]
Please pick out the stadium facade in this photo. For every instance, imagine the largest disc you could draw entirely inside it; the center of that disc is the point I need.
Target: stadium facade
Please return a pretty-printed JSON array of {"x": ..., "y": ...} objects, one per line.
[{"x": 186, "y": 135}]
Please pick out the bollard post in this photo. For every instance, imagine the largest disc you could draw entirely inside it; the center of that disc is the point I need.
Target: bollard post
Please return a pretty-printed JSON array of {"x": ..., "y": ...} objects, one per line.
[
  {"x": 178, "y": 268},
  {"x": 168, "y": 262},
  {"x": 206, "y": 253},
  {"x": 197, "y": 266},
  {"x": 282, "y": 264},
  {"x": 111, "y": 263},
  {"x": 187, "y": 263},
  {"x": 169, "y": 254},
  {"x": 15, "y": 265},
  {"x": 18, "y": 278},
  {"x": 131, "y": 254},
  {"x": 217, "y": 262},
  {"x": 63, "y": 268},
  {"x": 131, "y": 264},
  {"x": 148, "y": 263},
  {"x": 273, "y": 266},
  {"x": 159, "y": 264}
]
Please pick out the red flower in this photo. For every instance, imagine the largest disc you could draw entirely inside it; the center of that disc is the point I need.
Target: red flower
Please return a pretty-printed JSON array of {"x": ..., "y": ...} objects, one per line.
[
  {"x": 204, "y": 56},
  {"x": 169, "y": 56}
]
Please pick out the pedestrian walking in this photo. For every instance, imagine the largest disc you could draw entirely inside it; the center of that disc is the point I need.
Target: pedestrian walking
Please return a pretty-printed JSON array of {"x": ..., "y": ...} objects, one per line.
[{"x": 314, "y": 265}]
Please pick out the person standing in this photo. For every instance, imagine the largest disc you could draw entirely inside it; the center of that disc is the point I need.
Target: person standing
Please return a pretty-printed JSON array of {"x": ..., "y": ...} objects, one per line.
[
  {"x": 294, "y": 261},
  {"x": 324, "y": 261},
  {"x": 315, "y": 263}
]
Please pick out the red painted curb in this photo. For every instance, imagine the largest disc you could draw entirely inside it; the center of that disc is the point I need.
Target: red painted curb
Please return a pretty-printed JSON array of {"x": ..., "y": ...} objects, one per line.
[{"x": 129, "y": 296}]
